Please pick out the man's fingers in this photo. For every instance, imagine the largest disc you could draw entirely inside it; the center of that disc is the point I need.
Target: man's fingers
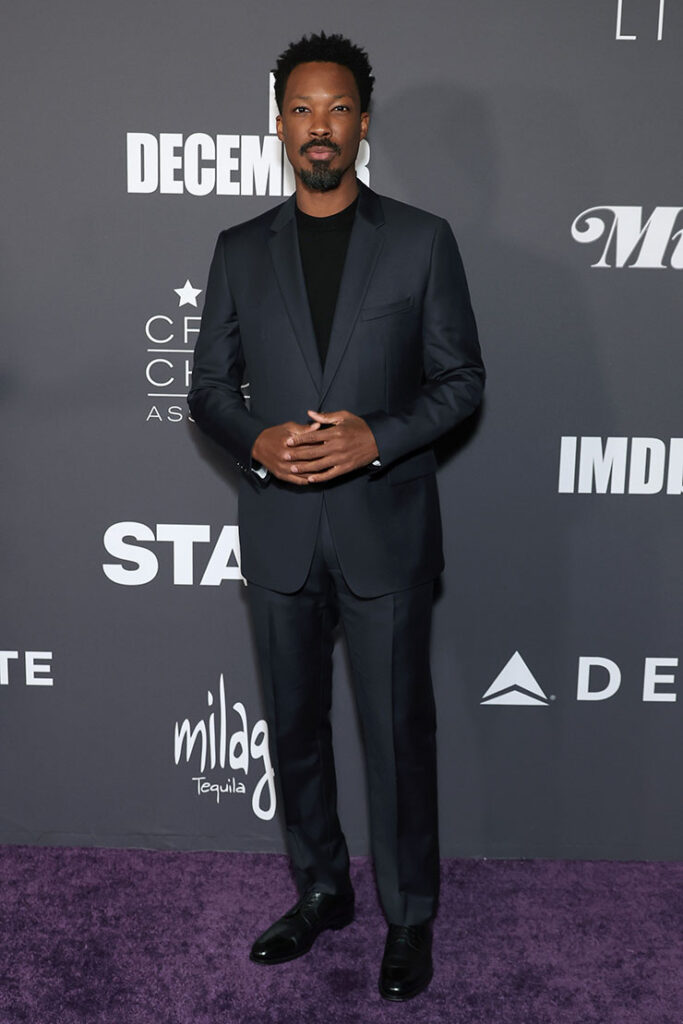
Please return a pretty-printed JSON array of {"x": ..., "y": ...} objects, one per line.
[
  {"x": 317, "y": 468},
  {"x": 332, "y": 439},
  {"x": 322, "y": 475},
  {"x": 307, "y": 452},
  {"x": 307, "y": 469},
  {"x": 328, "y": 417},
  {"x": 323, "y": 417},
  {"x": 291, "y": 478},
  {"x": 298, "y": 439},
  {"x": 297, "y": 429},
  {"x": 302, "y": 435}
]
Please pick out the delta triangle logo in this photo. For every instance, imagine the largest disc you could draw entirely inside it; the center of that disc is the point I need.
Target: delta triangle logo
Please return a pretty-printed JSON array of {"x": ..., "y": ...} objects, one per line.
[{"x": 515, "y": 685}]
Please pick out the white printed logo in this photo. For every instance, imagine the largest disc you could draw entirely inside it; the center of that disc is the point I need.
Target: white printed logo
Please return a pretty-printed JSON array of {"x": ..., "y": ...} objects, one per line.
[
  {"x": 597, "y": 679},
  {"x": 621, "y": 35},
  {"x": 126, "y": 542},
  {"x": 515, "y": 684},
  {"x": 168, "y": 372},
  {"x": 237, "y": 750},
  {"x": 620, "y": 465},
  {"x": 656, "y": 244},
  {"x": 35, "y": 671}
]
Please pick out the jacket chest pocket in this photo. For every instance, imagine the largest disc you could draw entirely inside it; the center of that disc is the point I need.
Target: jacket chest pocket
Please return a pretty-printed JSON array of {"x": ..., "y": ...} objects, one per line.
[{"x": 386, "y": 308}]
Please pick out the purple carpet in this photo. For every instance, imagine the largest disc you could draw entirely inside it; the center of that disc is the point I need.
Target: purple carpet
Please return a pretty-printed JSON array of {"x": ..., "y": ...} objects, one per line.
[{"x": 148, "y": 937}]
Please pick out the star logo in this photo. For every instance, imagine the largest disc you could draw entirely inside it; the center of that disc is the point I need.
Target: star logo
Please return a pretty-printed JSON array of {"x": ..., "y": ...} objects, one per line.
[{"x": 187, "y": 294}]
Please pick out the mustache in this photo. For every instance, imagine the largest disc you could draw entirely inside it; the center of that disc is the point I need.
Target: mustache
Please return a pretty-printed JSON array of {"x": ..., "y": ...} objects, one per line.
[{"x": 333, "y": 148}]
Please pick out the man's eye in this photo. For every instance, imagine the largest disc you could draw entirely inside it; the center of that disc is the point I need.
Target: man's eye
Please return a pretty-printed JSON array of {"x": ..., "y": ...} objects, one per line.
[
  {"x": 299, "y": 108},
  {"x": 341, "y": 106}
]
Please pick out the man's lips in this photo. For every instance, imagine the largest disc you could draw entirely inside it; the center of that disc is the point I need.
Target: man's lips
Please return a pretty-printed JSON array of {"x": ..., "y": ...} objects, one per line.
[{"x": 320, "y": 153}]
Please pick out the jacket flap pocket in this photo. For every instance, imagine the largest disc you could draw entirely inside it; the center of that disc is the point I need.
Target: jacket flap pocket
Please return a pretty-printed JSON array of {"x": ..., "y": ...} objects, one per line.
[
  {"x": 413, "y": 466},
  {"x": 385, "y": 308}
]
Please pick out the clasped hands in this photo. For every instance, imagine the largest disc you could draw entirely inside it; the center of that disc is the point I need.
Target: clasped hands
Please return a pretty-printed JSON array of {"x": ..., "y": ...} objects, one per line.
[{"x": 306, "y": 453}]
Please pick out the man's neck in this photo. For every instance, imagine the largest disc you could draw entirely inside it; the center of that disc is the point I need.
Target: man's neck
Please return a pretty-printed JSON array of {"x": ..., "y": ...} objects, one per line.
[{"x": 325, "y": 204}]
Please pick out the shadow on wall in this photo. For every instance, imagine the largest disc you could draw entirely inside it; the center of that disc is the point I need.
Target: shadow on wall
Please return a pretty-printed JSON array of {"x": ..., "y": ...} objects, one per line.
[{"x": 496, "y": 168}]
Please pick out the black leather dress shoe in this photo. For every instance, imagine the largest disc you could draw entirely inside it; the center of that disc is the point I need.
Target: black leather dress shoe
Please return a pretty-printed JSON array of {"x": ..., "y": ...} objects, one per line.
[
  {"x": 294, "y": 933},
  {"x": 407, "y": 962}
]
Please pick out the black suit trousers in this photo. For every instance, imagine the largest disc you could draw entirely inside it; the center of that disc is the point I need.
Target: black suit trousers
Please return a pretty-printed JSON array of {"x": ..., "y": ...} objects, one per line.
[{"x": 388, "y": 643}]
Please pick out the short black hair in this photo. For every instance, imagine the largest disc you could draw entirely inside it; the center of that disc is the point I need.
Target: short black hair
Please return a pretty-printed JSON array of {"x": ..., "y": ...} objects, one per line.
[{"x": 333, "y": 48}]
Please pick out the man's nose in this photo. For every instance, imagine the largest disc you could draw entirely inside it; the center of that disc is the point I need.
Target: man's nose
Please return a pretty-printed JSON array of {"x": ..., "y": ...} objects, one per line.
[{"x": 320, "y": 126}]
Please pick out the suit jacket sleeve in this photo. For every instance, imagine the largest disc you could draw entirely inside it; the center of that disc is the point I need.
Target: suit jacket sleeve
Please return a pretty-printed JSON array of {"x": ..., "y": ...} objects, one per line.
[
  {"x": 215, "y": 399},
  {"x": 454, "y": 373}
]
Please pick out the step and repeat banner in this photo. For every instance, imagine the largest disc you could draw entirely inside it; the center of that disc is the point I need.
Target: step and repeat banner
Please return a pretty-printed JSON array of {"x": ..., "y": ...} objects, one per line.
[{"x": 549, "y": 137}]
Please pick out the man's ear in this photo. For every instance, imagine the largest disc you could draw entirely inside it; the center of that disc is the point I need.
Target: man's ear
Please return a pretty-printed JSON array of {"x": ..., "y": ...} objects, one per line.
[
  {"x": 278, "y": 127},
  {"x": 364, "y": 124}
]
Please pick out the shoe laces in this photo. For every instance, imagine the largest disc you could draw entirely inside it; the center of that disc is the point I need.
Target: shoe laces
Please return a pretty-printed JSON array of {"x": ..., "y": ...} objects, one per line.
[
  {"x": 307, "y": 905},
  {"x": 309, "y": 900}
]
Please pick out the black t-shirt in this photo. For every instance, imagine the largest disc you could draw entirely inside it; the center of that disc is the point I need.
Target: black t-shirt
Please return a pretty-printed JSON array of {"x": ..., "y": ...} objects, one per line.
[{"x": 323, "y": 242}]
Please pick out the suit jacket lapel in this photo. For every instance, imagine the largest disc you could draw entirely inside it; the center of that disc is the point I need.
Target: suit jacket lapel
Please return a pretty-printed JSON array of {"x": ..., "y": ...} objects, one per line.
[
  {"x": 364, "y": 248},
  {"x": 365, "y": 244},
  {"x": 284, "y": 250}
]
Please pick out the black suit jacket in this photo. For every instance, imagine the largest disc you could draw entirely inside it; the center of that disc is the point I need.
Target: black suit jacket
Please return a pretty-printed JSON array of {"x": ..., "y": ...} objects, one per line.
[{"x": 403, "y": 354}]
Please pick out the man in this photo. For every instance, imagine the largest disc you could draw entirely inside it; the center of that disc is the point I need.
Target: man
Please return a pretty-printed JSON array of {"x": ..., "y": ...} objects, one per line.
[{"x": 349, "y": 315}]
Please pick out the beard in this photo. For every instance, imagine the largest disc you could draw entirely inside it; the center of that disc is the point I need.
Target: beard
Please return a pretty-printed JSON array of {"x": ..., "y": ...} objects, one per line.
[{"x": 321, "y": 178}]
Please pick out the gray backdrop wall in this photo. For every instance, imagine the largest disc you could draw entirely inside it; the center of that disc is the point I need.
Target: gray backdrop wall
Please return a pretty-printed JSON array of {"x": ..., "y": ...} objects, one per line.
[{"x": 549, "y": 136}]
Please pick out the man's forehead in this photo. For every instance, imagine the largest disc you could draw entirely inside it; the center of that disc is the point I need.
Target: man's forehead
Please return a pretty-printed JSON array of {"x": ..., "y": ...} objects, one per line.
[{"x": 337, "y": 96}]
